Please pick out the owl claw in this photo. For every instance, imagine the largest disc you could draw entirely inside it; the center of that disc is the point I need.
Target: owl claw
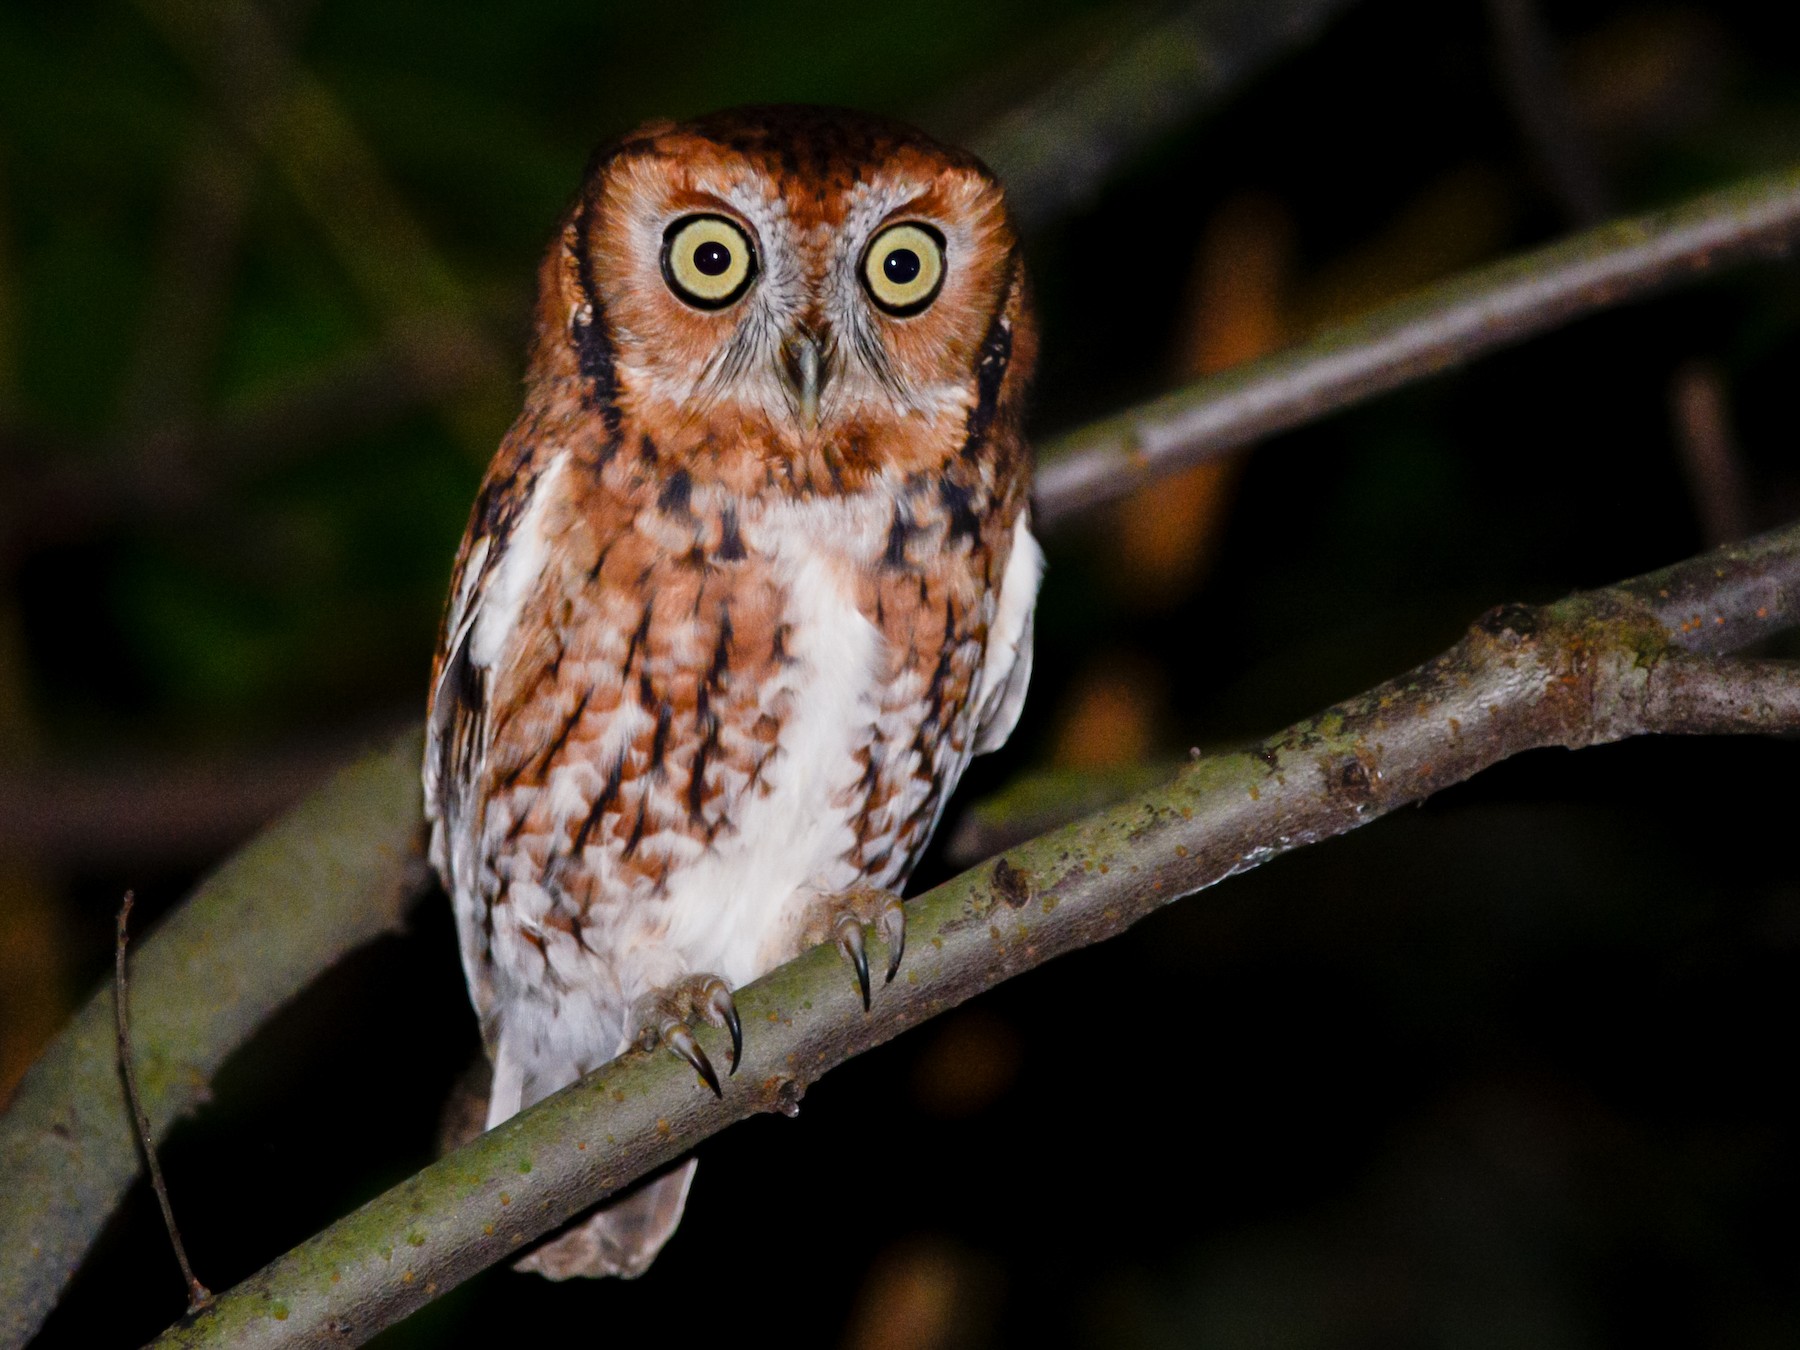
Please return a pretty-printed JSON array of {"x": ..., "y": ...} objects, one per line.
[
  {"x": 669, "y": 1015},
  {"x": 721, "y": 1011},
  {"x": 678, "y": 1038},
  {"x": 893, "y": 927},
  {"x": 850, "y": 943}
]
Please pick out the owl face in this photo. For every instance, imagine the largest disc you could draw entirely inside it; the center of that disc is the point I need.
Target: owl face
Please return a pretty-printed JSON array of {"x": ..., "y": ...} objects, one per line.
[{"x": 809, "y": 271}]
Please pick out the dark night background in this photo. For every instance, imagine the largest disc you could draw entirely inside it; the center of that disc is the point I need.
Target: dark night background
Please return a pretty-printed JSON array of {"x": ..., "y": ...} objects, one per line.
[{"x": 1506, "y": 1070}]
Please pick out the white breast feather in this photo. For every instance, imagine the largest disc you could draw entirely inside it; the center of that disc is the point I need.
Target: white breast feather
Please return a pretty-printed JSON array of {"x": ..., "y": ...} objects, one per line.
[{"x": 724, "y": 907}]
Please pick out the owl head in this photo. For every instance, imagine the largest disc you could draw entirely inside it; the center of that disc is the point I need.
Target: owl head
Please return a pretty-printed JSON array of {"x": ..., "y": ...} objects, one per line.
[{"x": 786, "y": 278}]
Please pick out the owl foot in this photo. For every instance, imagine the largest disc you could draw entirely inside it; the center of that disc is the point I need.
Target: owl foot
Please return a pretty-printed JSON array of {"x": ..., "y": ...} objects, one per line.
[
  {"x": 840, "y": 919},
  {"x": 666, "y": 1017}
]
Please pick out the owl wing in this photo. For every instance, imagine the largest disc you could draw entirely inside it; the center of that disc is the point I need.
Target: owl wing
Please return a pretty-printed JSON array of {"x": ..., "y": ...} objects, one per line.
[
  {"x": 501, "y": 559},
  {"x": 1007, "y": 668},
  {"x": 455, "y": 729}
]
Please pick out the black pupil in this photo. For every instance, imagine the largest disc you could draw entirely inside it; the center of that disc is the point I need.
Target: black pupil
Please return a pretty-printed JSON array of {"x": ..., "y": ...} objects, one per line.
[
  {"x": 901, "y": 266},
  {"x": 712, "y": 258}
]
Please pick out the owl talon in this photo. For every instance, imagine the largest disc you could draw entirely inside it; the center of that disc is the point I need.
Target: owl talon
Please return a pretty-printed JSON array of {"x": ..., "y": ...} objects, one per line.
[
  {"x": 678, "y": 1038},
  {"x": 721, "y": 1011},
  {"x": 850, "y": 943},
  {"x": 893, "y": 927}
]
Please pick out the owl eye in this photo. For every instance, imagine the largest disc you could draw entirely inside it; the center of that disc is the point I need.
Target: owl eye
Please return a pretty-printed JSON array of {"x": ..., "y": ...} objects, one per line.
[
  {"x": 904, "y": 268},
  {"x": 708, "y": 260}
]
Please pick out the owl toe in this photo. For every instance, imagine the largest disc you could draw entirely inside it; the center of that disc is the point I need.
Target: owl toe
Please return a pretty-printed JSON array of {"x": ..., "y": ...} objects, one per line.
[
  {"x": 667, "y": 1018},
  {"x": 840, "y": 919}
]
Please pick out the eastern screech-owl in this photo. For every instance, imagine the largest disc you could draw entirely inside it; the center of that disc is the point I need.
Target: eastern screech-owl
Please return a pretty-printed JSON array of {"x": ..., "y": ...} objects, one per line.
[{"x": 749, "y": 581}]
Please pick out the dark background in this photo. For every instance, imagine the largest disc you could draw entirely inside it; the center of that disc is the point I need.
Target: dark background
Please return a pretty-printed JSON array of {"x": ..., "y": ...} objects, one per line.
[{"x": 1509, "y": 1069}]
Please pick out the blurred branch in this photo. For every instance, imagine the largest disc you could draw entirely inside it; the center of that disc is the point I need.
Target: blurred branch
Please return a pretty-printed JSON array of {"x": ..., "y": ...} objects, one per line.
[
  {"x": 1438, "y": 328},
  {"x": 329, "y": 877},
  {"x": 1596, "y": 667},
  {"x": 437, "y": 351},
  {"x": 339, "y": 180},
  {"x": 1525, "y": 61},
  {"x": 150, "y": 811},
  {"x": 1055, "y": 150},
  {"x": 1709, "y": 452}
]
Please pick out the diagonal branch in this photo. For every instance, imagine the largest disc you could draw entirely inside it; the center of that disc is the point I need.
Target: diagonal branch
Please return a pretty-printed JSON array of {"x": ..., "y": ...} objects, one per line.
[
  {"x": 1433, "y": 330},
  {"x": 1596, "y": 667}
]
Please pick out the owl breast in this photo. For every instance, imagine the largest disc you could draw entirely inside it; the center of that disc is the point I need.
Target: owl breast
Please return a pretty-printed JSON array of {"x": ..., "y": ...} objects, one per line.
[{"x": 705, "y": 709}]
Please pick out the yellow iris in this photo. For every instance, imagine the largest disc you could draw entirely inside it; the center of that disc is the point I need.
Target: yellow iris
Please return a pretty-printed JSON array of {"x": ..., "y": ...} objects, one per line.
[
  {"x": 708, "y": 260},
  {"x": 904, "y": 268}
]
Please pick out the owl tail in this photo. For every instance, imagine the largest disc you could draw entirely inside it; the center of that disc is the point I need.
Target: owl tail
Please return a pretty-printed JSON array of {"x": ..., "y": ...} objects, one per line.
[{"x": 622, "y": 1237}]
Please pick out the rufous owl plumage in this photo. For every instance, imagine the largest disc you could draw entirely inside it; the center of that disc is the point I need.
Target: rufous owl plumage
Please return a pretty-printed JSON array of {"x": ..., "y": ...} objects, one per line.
[{"x": 748, "y": 582}]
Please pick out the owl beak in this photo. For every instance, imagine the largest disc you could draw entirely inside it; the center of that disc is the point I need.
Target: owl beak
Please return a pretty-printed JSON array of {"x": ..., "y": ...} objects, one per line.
[{"x": 803, "y": 364}]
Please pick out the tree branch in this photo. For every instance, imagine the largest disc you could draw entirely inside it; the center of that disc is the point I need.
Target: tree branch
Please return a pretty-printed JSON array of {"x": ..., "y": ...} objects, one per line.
[
  {"x": 1436, "y": 329},
  {"x": 324, "y": 880},
  {"x": 138, "y": 809},
  {"x": 1596, "y": 667},
  {"x": 1694, "y": 695}
]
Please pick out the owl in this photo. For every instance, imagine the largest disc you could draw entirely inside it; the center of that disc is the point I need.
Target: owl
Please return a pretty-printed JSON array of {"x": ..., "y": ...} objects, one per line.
[{"x": 749, "y": 581}]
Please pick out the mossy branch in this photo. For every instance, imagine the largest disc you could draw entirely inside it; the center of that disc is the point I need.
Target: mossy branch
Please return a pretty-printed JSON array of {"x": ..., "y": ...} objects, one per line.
[{"x": 1596, "y": 667}]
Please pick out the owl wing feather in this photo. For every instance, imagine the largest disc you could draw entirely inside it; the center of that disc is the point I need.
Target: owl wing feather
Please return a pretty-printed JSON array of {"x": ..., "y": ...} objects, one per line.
[
  {"x": 501, "y": 558},
  {"x": 1006, "y": 669},
  {"x": 454, "y": 730}
]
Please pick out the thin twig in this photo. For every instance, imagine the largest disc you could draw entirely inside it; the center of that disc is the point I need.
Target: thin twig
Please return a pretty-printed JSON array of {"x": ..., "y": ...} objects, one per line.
[
  {"x": 1593, "y": 668},
  {"x": 199, "y": 1296},
  {"x": 1698, "y": 695},
  {"x": 1437, "y": 329}
]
